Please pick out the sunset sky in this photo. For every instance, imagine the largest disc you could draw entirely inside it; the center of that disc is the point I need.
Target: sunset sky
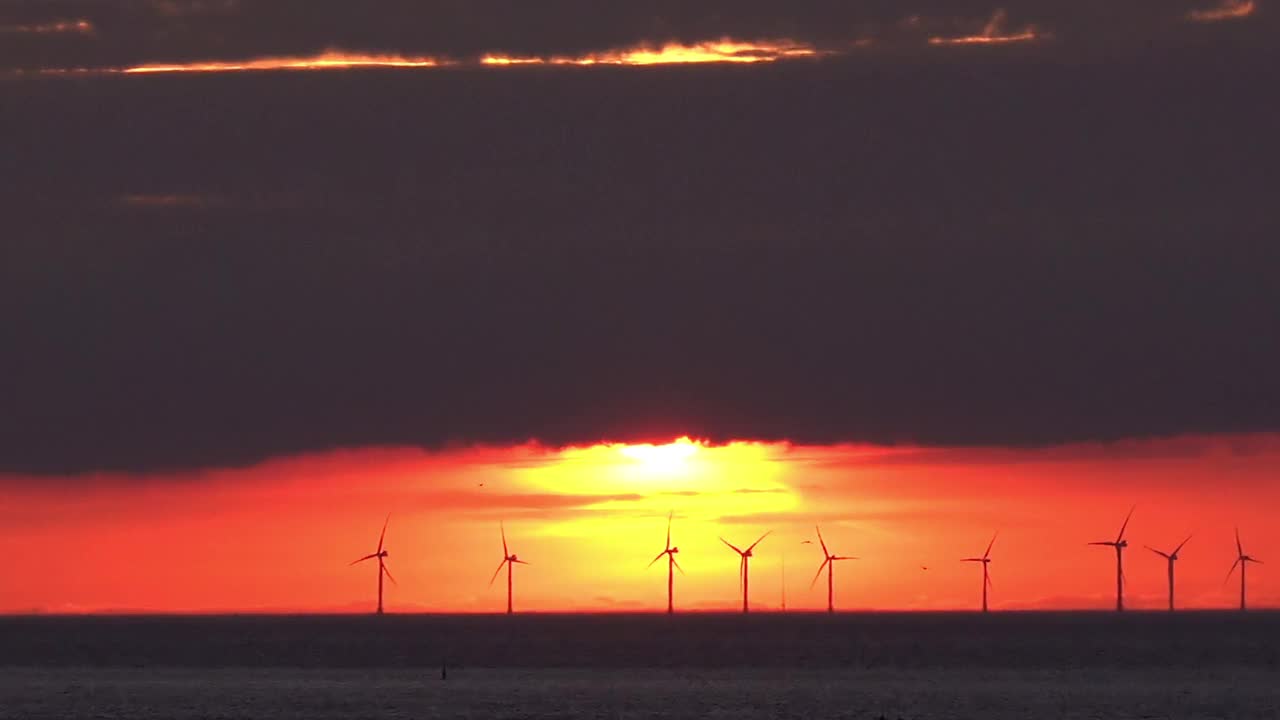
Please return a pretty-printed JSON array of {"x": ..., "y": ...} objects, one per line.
[{"x": 915, "y": 270}]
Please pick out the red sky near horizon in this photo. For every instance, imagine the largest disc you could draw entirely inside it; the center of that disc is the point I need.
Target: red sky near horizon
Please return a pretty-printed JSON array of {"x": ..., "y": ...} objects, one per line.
[{"x": 278, "y": 536}]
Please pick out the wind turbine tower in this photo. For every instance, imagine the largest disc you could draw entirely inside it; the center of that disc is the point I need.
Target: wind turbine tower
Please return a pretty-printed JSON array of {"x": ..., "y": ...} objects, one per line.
[
  {"x": 986, "y": 564},
  {"x": 743, "y": 566},
  {"x": 1119, "y": 544},
  {"x": 381, "y": 554}
]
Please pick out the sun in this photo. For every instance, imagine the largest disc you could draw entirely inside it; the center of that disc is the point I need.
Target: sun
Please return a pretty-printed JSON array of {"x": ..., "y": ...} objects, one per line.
[{"x": 662, "y": 459}]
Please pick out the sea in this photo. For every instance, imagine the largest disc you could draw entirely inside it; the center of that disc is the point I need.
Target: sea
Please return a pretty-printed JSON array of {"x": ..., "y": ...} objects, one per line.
[{"x": 767, "y": 665}]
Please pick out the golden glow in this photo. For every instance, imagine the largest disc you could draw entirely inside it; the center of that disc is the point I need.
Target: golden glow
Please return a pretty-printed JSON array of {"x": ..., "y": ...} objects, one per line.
[
  {"x": 329, "y": 60},
  {"x": 1228, "y": 10},
  {"x": 721, "y": 51},
  {"x": 992, "y": 34},
  {"x": 590, "y": 519},
  {"x": 662, "y": 458},
  {"x": 79, "y": 27}
]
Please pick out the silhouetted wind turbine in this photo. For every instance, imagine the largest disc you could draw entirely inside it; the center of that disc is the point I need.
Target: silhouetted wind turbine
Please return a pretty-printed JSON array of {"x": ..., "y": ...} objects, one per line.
[
  {"x": 1119, "y": 544},
  {"x": 1242, "y": 561},
  {"x": 672, "y": 565},
  {"x": 509, "y": 559},
  {"x": 1171, "y": 558},
  {"x": 986, "y": 563},
  {"x": 828, "y": 562},
  {"x": 382, "y": 566},
  {"x": 743, "y": 576}
]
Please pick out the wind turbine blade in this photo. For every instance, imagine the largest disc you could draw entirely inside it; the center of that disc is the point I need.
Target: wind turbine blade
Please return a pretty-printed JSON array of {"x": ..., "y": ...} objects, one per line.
[
  {"x": 1256, "y": 561},
  {"x": 987, "y": 576},
  {"x": 1103, "y": 542},
  {"x": 757, "y": 542},
  {"x": 992, "y": 544},
  {"x": 1163, "y": 555},
  {"x": 669, "y": 516},
  {"x": 389, "y": 576},
  {"x": 495, "y": 572},
  {"x": 732, "y": 546},
  {"x": 819, "y": 573},
  {"x": 1179, "y": 548},
  {"x": 825, "y": 552},
  {"x": 844, "y": 557},
  {"x": 656, "y": 559},
  {"x": 972, "y": 559},
  {"x": 366, "y": 557},
  {"x": 1126, "y": 523},
  {"x": 502, "y": 529},
  {"x": 520, "y": 562},
  {"x": 742, "y": 572},
  {"x": 1232, "y": 571},
  {"x": 1239, "y": 547},
  {"x": 673, "y": 562},
  {"x": 383, "y": 536}
]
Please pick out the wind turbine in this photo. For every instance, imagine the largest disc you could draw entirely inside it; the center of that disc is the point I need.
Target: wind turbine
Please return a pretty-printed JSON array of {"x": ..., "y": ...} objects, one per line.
[
  {"x": 1242, "y": 561},
  {"x": 986, "y": 563},
  {"x": 1119, "y": 544},
  {"x": 1171, "y": 558},
  {"x": 743, "y": 566},
  {"x": 828, "y": 562},
  {"x": 509, "y": 559},
  {"x": 382, "y": 566},
  {"x": 672, "y": 565}
]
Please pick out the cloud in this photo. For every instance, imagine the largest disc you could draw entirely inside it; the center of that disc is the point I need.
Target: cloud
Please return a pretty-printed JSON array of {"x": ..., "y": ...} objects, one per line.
[
  {"x": 171, "y": 32},
  {"x": 1227, "y": 10},
  {"x": 51, "y": 27},
  {"x": 859, "y": 250}
]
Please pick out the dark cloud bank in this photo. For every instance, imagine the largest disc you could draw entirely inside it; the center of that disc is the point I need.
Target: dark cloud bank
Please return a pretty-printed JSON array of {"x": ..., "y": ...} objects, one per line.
[
  {"x": 127, "y": 32},
  {"x": 989, "y": 248}
]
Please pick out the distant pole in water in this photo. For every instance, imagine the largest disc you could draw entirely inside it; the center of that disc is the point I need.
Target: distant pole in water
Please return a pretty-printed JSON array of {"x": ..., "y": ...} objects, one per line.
[
  {"x": 1242, "y": 561},
  {"x": 381, "y": 555},
  {"x": 509, "y": 559},
  {"x": 1119, "y": 544},
  {"x": 672, "y": 566},
  {"x": 828, "y": 562},
  {"x": 743, "y": 567},
  {"x": 986, "y": 564},
  {"x": 1171, "y": 558},
  {"x": 444, "y": 670}
]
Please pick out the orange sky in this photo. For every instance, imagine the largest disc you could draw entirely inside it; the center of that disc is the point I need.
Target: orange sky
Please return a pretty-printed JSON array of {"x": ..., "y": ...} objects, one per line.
[{"x": 278, "y": 536}]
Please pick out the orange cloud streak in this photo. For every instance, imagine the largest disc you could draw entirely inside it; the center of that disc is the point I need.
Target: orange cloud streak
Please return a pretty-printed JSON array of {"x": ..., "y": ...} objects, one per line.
[
  {"x": 329, "y": 60},
  {"x": 992, "y": 34},
  {"x": 77, "y": 27},
  {"x": 721, "y": 51},
  {"x": 1228, "y": 10}
]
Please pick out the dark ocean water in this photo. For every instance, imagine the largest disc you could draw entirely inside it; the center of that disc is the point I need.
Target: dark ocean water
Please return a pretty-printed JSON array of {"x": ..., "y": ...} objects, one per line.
[{"x": 1195, "y": 665}]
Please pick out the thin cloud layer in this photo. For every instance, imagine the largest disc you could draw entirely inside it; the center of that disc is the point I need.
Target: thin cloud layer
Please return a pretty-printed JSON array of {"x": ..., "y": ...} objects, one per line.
[
  {"x": 1227, "y": 10},
  {"x": 129, "y": 33}
]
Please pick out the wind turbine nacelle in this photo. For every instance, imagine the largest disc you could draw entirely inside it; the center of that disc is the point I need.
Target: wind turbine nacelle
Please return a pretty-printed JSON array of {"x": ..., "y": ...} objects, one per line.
[
  {"x": 675, "y": 549},
  {"x": 1122, "y": 544},
  {"x": 384, "y": 553}
]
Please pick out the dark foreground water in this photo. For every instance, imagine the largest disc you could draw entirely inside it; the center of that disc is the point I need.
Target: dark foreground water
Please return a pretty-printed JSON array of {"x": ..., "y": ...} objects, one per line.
[{"x": 1201, "y": 665}]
